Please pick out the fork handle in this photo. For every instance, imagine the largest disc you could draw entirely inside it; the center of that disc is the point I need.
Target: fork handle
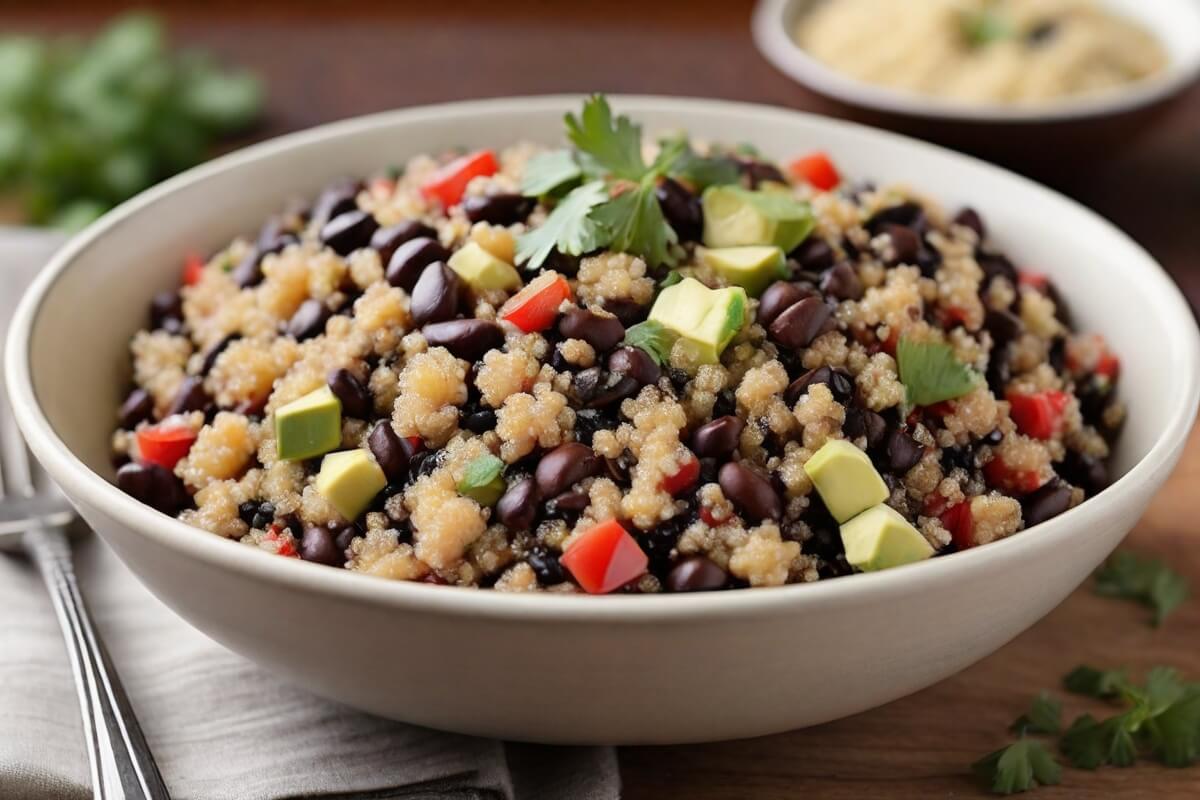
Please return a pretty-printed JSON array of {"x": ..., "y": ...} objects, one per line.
[{"x": 122, "y": 766}]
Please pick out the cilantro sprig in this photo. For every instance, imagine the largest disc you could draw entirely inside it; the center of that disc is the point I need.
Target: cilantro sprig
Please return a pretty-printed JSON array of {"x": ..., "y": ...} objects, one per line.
[
  {"x": 607, "y": 155},
  {"x": 1141, "y": 580},
  {"x": 930, "y": 372}
]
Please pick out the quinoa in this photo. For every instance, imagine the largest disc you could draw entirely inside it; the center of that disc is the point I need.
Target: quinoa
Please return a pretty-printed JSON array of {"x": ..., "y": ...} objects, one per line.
[{"x": 507, "y": 440}]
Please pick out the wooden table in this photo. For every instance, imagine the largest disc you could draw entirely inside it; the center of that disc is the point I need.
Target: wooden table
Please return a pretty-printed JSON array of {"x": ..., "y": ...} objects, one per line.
[{"x": 331, "y": 60}]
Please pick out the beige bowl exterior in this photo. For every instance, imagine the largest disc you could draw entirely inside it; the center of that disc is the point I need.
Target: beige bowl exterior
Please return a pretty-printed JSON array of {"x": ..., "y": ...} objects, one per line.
[{"x": 628, "y": 669}]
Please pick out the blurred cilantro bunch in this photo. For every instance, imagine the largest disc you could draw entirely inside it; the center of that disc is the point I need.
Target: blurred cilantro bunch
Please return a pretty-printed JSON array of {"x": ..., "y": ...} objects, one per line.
[{"x": 85, "y": 125}]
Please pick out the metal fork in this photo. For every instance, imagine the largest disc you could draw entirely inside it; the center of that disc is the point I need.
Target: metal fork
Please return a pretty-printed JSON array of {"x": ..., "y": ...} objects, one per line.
[{"x": 34, "y": 517}]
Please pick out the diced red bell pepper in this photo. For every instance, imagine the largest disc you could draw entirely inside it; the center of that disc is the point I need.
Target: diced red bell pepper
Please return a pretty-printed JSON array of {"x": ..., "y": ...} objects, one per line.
[
  {"x": 605, "y": 558},
  {"x": 193, "y": 269},
  {"x": 1014, "y": 481},
  {"x": 957, "y": 519},
  {"x": 1034, "y": 280},
  {"x": 535, "y": 307},
  {"x": 1039, "y": 414},
  {"x": 684, "y": 478},
  {"x": 710, "y": 517},
  {"x": 1108, "y": 365},
  {"x": 817, "y": 170},
  {"x": 164, "y": 445},
  {"x": 448, "y": 183},
  {"x": 286, "y": 543}
]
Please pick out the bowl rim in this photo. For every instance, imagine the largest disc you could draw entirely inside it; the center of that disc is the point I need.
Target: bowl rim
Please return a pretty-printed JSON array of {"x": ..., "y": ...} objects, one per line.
[
  {"x": 91, "y": 489},
  {"x": 776, "y": 45}
]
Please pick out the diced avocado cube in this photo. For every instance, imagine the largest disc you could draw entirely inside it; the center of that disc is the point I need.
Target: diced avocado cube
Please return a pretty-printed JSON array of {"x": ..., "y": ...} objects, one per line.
[
  {"x": 734, "y": 217},
  {"x": 880, "y": 538},
  {"x": 349, "y": 480},
  {"x": 308, "y": 426},
  {"x": 845, "y": 479},
  {"x": 483, "y": 271},
  {"x": 753, "y": 267},
  {"x": 705, "y": 319}
]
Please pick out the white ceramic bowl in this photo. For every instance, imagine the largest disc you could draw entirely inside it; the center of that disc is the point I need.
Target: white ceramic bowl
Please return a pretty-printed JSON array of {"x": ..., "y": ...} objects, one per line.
[
  {"x": 1176, "y": 23},
  {"x": 626, "y": 669}
]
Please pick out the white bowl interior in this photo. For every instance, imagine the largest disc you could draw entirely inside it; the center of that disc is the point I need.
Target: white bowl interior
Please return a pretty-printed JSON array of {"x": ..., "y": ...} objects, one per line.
[
  {"x": 1176, "y": 23},
  {"x": 80, "y": 356}
]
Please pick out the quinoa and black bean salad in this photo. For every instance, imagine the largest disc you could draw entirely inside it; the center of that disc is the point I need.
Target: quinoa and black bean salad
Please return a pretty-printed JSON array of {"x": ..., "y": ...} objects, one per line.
[{"x": 635, "y": 365}]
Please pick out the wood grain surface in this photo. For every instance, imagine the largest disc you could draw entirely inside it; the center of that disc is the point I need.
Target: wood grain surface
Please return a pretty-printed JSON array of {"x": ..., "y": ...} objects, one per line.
[{"x": 324, "y": 61}]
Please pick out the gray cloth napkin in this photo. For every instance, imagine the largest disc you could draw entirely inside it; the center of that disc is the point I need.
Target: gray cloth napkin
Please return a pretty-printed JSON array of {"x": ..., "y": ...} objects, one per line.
[{"x": 222, "y": 728}]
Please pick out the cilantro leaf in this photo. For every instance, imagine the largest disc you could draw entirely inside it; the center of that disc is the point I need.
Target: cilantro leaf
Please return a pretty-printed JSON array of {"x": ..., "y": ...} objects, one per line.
[
  {"x": 1089, "y": 743},
  {"x": 614, "y": 146},
  {"x": 482, "y": 481},
  {"x": 984, "y": 27},
  {"x": 570, "y": 227},
  {"x": 930, "y": 372},
  {"x": 1174, "y": 734},
  {"x": 1021, "y": 766},
  {"x": 1044, "y": 716},
  {"x": 547, "y": 172},
  {"x": 634, "y": 223},
  {"x": 1095, "y": 682},
  {"x": 1146, "y": 581},
  {"x": 701, "y": 171},
  {"x": 652, "y": 337},
  {"x": 670, "y": 279}
]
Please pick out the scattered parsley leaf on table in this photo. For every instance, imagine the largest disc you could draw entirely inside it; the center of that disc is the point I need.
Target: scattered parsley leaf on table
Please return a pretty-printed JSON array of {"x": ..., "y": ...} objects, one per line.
[
  {"x": 1174, "y": 734},
  {"x": 652, "y": 337},
  {"x": 569, "y": 228},
  {"x": 1094, "y": 682},
  {"x": 930, "y": 372},
  {"x": 1147, "y": 581},
  {"x": 1044, "y": 716},
  {"x": 1089, "y": 743},
  {"x": 546, "y": 173},
  {"x": 1021, "y": 766}
]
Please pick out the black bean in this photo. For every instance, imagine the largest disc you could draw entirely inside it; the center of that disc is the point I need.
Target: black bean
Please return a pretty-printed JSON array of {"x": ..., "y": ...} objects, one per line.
[
  {"x": 998, "y": 371},
  {"x": 248, "y": 272},
  {"x": 247, "y": 511},
  {"x": 903, "y": 451},
  {"x": 309, "y": 320},
  {"x": 1042, "y": 32},
  {"x": 597, "y": 388},
  {"x": 695, "y": 574},
  {"x": 1004, "y": 326},
  {"x": 603, "y": 332},
  {"x": 166, "y": 306},
  {"x": 814, "y": 255},
  {"x": 779, "y": 297},
  {"x": 210, "y": 358},
  {"x": 263, "y": 516},
  {"x": 1056, "y": 354},
  {"x": 517, "y": 507},
  {"x": 590, "y": 420},
  {"x": 387, "y": 240},
  {"x": 841, "y": 385},
  {"x": 636, "y": 363},
  {"x": 546, "y": 567},
  {"x": 719, "y": 438},
  {"x": 867, "y": 423},
  {"x": 498, "y": 209},
  {"x": 627, "y": 311},
  {"x": 905, "y": 244},
  {"x": 563, "y": 263},
  {"x": 435, "y": 297},
  {"x": 392, "y": 453},
  {"x": 191, "y": 396},
  {"x": 410, "y": 259},
  {"x": 908, "y": 215},
  {"x": 969, "y": 218},
  {"x": 709, "y": 467},
  {"x": 726, "y": 403},
  {"x": 994, "y": 438},
  {"x": 1087, "y": 472},
  {"x": 800, "y": 324},
  {"x": 681, "y": 208},
  {"x": 138, "y": 407},
  {"x": 753, "y": 494},
  {"x": 1049, "y": 501},
  {"x": 660, "y": 542},
  {"x": 153, "y": 485},
  {"x": 355, "y": 397},
  {"x": 349, "y": 231},
  {"x": 995, "y": 265},
  {"x": 564, "y": 466},
  {"x": 336, "y": 199},
  {"x": 319, "y": 546},
  {"x": 568, "y": 505},
  {"x": 344, "y": 537},
  {"x": 758, "y": 172},
  {"x": 842, "y": 282},
  {"x": 467, "y": 339},
  {"x": 958, "y": 457},
  {"x": 480, "y": 421}
]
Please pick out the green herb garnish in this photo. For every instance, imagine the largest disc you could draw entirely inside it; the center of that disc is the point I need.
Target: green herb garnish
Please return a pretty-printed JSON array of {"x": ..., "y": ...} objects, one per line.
[
  {"x": 611, "y": 146},
  {"x": 653, "y": 337},
  {"x": 985, "y": 26},
  {"x": 570, "y": 227},
  {"x": 673, "y": 277},
  {"x": 700, "y": 171},
  {"x": 1044, "y": 716},
  {"x": 84, "y": 126},
  {"x": 634, "y": 223},
  {"x": 483, "y": 481},
  {"x": 548, "y": 173},
  {"x": 1096, "y": 682},
  {"x": 930, "y": 372},
  {"x": 1147, "y": 581},
  {"x": 1021, "y": 766}
]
